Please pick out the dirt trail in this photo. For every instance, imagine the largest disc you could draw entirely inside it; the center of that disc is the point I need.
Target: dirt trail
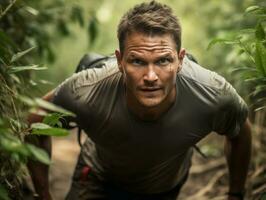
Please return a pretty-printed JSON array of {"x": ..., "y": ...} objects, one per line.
[{"x": 64, "y": 157}]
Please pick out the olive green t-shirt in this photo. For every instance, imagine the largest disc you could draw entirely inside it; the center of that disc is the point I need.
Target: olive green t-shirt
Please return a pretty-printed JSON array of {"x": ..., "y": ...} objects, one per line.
[{"x": 148, "y": 156}]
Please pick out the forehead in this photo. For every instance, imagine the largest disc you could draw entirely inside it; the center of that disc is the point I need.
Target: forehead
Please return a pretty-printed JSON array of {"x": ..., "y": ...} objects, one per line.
[{"x": 141, "y": 43}]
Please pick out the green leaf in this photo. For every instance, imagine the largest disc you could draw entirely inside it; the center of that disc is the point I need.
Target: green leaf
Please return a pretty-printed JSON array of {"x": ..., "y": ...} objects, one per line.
[
  {"x": 260, "y": 57},
  {"x": 252, "y": 9},
  {"x": 52, "y": 119},
  {"x": 77, "y": 15},
  {"x": 52, "y": 107},
  {"x": 51, "y": 132},
  {"x": 260, "y": 61},
  {"x": 45, "y": 129},
  {"x": 247, "y": 76},
  {"x": 260, "y": 80},
  {"x": 15, "y": 69},
  {"x": 248, "y": 69},
  {"x": 39, "y": 125},
  {"x": 15, "y": 78},
  {"x": 13, "y": 145},
  {"x": 63, "y": 27},
  {"x": 221, "y": 41},
  {"x": 32, "y": 10},
  {"x": 2, "y": 61},
  {"x": 260, "y": 34},
  {"x": 247, "y": 31},
  {"x": 28, "y": 101},
  {"x": 20, "y": 54},
  {"x": 33, "y": 83},
  {"x": 38, "y": 102},
  {"x": 39, "y": 154},
  {"x": 93, "y": 29},
  {"x": 258, "y": 90}
]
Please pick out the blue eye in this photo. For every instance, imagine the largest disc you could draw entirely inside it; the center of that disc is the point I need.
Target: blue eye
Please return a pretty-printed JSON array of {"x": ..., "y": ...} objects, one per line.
[
  {"x": 137, "y": 62},
  {"x": 163, "y": 61}
]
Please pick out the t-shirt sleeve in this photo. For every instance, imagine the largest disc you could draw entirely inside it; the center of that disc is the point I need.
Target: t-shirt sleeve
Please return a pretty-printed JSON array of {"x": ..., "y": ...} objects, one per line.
[
  {"x": 65, "y": 97},
  {"x": 64, "y": 94},
  {"x": 231, "y": 112}
]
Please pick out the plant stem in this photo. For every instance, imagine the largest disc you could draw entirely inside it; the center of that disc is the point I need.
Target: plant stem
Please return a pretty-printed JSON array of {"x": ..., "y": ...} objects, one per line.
[
  {"x": 7, "y": 8},
  {"x": 246, "y": 50}
]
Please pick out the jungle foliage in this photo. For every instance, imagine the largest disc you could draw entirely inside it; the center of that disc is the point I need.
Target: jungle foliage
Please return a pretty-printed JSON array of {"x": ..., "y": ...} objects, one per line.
[
  {"x": 250, "y": 55},
  {"x": 23, "y": 38}
]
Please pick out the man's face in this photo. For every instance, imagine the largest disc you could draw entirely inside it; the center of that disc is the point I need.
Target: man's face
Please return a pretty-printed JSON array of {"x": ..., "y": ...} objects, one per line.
[{"x": 149, "y": 65}]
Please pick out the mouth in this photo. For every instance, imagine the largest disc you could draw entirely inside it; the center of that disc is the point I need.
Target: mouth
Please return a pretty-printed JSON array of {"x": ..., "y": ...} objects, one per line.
[{"x": 150, "y": 89}]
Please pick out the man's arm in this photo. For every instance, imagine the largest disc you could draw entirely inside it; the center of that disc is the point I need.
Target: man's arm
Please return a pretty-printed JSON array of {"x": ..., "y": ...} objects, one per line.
[
  {"x": 39, "y": 172},
  {"x": 238, "y": 153}
]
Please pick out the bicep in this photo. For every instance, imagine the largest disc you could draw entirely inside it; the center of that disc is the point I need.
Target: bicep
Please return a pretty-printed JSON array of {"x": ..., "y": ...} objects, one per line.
[
  {"x": 231, "y": 113},
  {"x": 244, "y": 132}
]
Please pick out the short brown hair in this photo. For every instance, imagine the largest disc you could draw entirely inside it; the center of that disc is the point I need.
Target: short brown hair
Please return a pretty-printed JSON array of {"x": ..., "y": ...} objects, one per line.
[{"x": 151, "y": 18}]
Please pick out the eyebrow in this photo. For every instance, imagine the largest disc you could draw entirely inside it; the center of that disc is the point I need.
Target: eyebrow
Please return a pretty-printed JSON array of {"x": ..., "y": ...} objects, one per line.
[
  {"x": 168, "y": 55},
  {"x": 133, "y": 55}
]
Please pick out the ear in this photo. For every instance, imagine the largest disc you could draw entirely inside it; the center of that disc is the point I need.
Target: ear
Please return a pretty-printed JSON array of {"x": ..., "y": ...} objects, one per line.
[
  {"x": 119, "y": 60},
  {"x": 181, "y": 55}
]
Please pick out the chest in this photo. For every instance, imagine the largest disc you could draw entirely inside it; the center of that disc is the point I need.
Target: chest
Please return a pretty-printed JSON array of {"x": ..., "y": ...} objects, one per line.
[{"x": 120, "y": 133}]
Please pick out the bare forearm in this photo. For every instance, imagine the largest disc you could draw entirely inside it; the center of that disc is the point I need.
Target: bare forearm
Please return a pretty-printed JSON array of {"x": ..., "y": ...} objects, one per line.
[
  {"x": 39, "y": 171},
  {"x": 238, "y": 153}
]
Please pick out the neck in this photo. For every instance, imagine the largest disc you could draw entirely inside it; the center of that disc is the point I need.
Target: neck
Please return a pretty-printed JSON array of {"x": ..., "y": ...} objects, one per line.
[{"x": 150, "y": 113}]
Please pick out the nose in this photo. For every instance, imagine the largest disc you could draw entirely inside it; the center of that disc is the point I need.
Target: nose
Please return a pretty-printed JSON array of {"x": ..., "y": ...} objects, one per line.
[{"x": 150, "y": 75}]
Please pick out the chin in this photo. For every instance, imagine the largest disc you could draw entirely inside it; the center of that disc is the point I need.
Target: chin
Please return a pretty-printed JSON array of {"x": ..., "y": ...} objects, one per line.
[{"x": 150, "y": 103}]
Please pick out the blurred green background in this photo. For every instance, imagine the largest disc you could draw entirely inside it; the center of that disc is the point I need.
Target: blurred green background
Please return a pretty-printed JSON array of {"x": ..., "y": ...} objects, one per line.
[{"x": 202, "y": 20}]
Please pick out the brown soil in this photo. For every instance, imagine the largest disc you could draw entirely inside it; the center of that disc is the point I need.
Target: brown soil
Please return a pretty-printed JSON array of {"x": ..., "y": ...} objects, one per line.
[{"x": 64, "y": 157}]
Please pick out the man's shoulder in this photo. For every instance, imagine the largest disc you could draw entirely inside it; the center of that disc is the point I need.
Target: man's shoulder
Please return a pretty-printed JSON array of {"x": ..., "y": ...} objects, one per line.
[
  {"x": 92, "y": 76},
  {"x": 88, "y": 83},
  {"x": 198, "y": 75}
]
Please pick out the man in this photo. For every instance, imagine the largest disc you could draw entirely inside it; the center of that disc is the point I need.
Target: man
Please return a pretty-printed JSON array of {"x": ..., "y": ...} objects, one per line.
[{"x": 144, "y": 112}]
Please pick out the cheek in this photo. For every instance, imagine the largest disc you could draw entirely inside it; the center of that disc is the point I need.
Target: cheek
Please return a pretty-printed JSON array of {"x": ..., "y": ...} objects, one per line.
[
  {"x": 174, "y": 79},
  {"x": 131, "y": 78},
  {"x": 169, "y": 79},
  {"x": 171, "y": 84}
]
